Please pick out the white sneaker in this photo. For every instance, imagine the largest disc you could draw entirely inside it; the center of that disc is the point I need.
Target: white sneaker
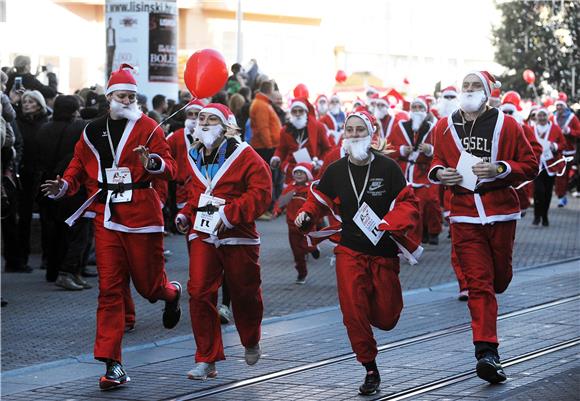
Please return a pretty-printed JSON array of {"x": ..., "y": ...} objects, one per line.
[
  {"x": 202, "y": 371},
  {"x": 253, "y": 354},
  {"x": 225, "y": 314},
  {"x": 576, "y": 194}
]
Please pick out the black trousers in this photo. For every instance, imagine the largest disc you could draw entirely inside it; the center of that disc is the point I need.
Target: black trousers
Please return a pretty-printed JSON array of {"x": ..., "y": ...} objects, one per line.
[
  {"x": 25, "y": 204},
  {"x": 543, "y": 187}
]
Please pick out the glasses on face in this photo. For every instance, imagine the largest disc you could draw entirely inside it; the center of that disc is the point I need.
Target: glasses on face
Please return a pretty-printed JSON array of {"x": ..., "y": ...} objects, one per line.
[
  {"x": 297, "y": 112},
  {"x": 449, "y": 97},
  {"x": 334, "y": 102}
]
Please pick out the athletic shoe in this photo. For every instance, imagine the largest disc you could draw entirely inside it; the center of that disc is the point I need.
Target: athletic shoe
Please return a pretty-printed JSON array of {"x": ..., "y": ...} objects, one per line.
[
  {"x": 79, "y": 281},
  {"x": 225, "y": 314},
  {"x": 545, "y": 221},
  {"x": 563, "y": 201},
  {"x": 489, "y": 368},
  {"x": 536, "y": 221},
  {"x": 434, "y": 239},
  {"x": 463, "y": 295},
  {"x": 252, "y": 354},
  {"x": 202, "y": 371},
  {"x": 172, "y": 311},
  {"x": 300, "y": 280},
  {"x": 371, "y": 385},
  {"x": 315, "y": 253},
  {"x": 114, "y": 377},
  {"x": 65, "y": 280}
]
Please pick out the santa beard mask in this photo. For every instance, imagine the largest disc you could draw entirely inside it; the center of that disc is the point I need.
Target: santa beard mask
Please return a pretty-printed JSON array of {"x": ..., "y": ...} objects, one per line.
[
  {"x": 417, "y": 118},
  {"x": 334, "y": 109},
  {"x": 470, "y": 102},
  {"x": 357, "y": 148},
  {"x": 447, "y": 106},
  {"x": 298, "y": 122},
  {"x": 542, "y": 129},
  {"x": 322, "y": 108},
  {"x": 130, "y": 112},
  {"x": 190, "y": 125},
  {"x": 380, "y": 113},
  {"x": 209, "y": 134}
]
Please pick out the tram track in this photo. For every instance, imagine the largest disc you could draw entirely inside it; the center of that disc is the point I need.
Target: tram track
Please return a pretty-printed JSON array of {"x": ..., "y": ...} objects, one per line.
[{"x": 389, "y": 346}]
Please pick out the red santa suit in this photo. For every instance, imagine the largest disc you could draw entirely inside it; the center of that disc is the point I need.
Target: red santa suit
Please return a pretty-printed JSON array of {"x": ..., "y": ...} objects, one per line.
[
  {"x": 570, "y": 127},
  {"x": 483, "y": 221},
  {"x": 244, "y": 182},
  {"x": 415, "y": 167},
  {"x": 332, "y": 129},
  {"x": 128, "y": 236},
  {"x": 313, "y": 138}
]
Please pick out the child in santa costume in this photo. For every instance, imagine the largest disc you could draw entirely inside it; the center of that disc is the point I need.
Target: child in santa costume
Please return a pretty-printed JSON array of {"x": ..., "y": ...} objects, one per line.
[
  {"x": 483, "y": 219},
  {"x": 116, "y": 159},
  {"x": 368, "y": 195},
  {"x": 301, "y": 139},
  {"x": 570, "y": 126},
  {"x": 230, "y": 188},
  {"x": 292, "y": 199},
  {"x": 549, "y": 135},
  {"x": 387, "y": 119},
  {"x": 413, "y": 144}
]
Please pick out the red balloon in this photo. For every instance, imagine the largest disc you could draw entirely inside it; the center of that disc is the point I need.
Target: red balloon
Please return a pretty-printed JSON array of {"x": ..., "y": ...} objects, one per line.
[
  {"x": 301, "y": 91},
  {"x": 340, "y": 76},
  {"x": 406, "y": 81},
  {"x": 529, "y": 76},
  {"x": 548, "y": 102},
  {"x": 562, "y": 96},
  {"x": 205, "y": 73}
]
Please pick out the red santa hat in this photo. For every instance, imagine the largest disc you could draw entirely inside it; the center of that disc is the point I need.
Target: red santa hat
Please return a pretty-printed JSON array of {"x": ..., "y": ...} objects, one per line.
[
  {"x": 122, "y": 80},
  {"x": 334, "y": 96},
  {"x": 489, "y": 82},
  {"x": 306, "y": 168},
  {"x": 223, "y": 112},
  {"x": 422, "y": 100},
  {"x": 383, "y": 100},
  {"x": 194, "y": 104},
  {"x": 321, "y": 97},
  {"x": 563, "y": 103},
  {"x": 511, "y": 98},
  {"x": 369, "y": 120},
  {"x": 449, "y": 91}
]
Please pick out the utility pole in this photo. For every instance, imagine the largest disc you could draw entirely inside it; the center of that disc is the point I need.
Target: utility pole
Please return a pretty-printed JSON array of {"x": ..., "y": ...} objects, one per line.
[{"x": 239, "y": 17}]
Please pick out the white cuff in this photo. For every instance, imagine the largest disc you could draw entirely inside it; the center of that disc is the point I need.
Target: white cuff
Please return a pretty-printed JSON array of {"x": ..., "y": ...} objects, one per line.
[
  {"x": 274, "y": 158},
  {"x": 430, "y": 152},
  {"x": 224, "y": 218},
  {"x": 61, "y": 192},
  {"x": 401, "y": 150},
  {"x": 555, "y": 145},
  {"x": 161, "y": 169},
  {"x": 183, "y": 220},
  {"x": 506, "y": 172}
]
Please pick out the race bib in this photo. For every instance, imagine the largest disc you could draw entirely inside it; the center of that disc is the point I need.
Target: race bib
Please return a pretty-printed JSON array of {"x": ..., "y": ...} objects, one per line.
[
  {"x": 367, "y": 221},
  {"x": 302, "y": 156},
  {"x": 207, "y": 221},
  {"x": 547, "y": 153},
  {"x": 120, "y": 177}
]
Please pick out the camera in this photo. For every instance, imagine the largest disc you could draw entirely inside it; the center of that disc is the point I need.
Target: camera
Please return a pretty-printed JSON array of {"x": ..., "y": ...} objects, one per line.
[{"x": 18, "y": 83}]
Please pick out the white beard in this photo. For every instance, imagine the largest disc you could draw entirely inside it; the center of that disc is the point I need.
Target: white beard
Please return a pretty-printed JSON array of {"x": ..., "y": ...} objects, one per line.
[
  {"x": 298, "y": 122},
  {"x": 381, "y": 113},
  {"x": 542, "y": 129},
  {"x": 209, "y": 135},
  {"x": 322, "y": 109},
  {"x": 447, "y": 106},
  {"x": 470, "y": 102},
  {"x": 334, "y": 109},
  {"x": 190, "y": 126},
  {"x": 357, "y": 148},
  {"x": 417, "y": 118},
  {"x": 130, "y": 112}
]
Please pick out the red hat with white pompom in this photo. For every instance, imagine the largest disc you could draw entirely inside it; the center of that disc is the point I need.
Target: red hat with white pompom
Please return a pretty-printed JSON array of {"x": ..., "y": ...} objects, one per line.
[
  {"x": 122, "y": 80},
  {"x": 194, "y": 104},
  {"x": 489, "y": 82},
  {"x": 369, "y": 120},
  {"x": 223, "y": 112},
  {"x": 449, "y": 91},
  {"x": 306, "y": 168}
]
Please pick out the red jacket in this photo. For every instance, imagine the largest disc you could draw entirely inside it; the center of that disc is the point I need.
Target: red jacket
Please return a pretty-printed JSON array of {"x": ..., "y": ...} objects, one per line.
[
  {"x": 486, "y": 206},
  {"x": 416, "y": 165},
  {"x": 388, "y": 123},
  {"x": 143, "y": 213},
  {"x": 298, "y": 199},
  {"x": 571, "y": 131},
  {"x": 179, "y": 145},
  {"x": 554, "y": 136},
  {"x": 245, "y": 182}
]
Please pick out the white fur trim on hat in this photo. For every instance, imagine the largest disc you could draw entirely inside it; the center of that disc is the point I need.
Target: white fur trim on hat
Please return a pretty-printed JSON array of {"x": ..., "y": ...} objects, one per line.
[
  {"x": 300, "y": 104},
  {"x": 216, "y": 112},
  {"x": 542, "y": 110},
  {"x": 305, "y": 171},
  {"x": 508, "y": 107},
  {"x": 368, "y": 123},
  {"x": 449, "y": 92},
  {"x": 193, "y": 106},
  {"x": 121, "y": 87},
  {"x": 563, "y": 103},
  {"x": 486, "y": 84},
  {"x": 421, "y": 101}
]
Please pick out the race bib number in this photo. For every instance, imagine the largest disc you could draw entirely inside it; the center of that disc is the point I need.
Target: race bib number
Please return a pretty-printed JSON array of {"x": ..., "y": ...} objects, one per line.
[
  {"x": 367, "y": 221},
  {"x": 207, "y": 221},
  {"x": 120, "y": 177}
]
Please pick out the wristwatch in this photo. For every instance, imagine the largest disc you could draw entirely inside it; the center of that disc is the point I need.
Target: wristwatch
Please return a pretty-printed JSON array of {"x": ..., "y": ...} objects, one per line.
[{"x": 500, "y": 168}]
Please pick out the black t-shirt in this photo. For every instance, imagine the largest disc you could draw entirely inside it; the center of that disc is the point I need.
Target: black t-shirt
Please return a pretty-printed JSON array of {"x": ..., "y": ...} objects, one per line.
[
  {"x": 482, "y": 134},
  {"x": 385, "y": 182},
  {"x": 97, "y": 134},
  {"x": 416, "y": 137}
]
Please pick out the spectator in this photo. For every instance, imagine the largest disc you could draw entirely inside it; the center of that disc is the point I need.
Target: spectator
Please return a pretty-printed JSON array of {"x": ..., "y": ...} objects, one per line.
[
  {"x": 246, "y": 92},
  {"x": 221, "y": 97},
  {"x": 236, "y": 105},
  {"x": 31, "y": 114},
  {"x": 142, "y": 103},
  {"x": 159, "y": 103},
  {"x": 278, "y": 103},
  {"x": 91, "y": 109},
  {"x": 29, "y": 81},
  {"x": 65, "y": 245},
  {"x": 264, "y": 123},
  {"x": 235, "y": 81}
]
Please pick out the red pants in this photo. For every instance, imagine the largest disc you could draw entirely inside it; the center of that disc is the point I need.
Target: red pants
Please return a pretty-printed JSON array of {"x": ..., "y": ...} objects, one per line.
[
  {"x": 207, "y": 266},
  {"x": 122, "y": 257},
  {"x": 430, "y": 208},
  {"x": 457, "y": 269},
  {"x": 370, "y": 294},
  {"x": 129, "y": 308},
  {"x": 484, "y": 253},
  {"x": 561, "y": 183},
  {"x": 300, "y": 248},
  {"x": 524, "y": 195}
]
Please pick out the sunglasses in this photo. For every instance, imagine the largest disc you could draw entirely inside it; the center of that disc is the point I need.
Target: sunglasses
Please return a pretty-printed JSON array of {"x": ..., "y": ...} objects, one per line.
[{"x": 449, "y": 97}]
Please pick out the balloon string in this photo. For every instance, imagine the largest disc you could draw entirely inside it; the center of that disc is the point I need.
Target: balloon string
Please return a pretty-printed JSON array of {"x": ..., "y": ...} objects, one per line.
[
  {"x": 560, "y": 174},
  {"x": 164, "y": 121}
]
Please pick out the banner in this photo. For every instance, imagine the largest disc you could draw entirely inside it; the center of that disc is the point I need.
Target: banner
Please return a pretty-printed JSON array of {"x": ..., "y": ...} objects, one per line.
[{"x": 144, "y": 34}]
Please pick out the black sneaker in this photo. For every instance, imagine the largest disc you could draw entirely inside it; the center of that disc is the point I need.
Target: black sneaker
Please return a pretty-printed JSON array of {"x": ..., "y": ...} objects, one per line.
[
  {"x": 371, "y": 385},
  {"x": 172, "y": 311},
  {"x": 545, "y": 221},
  {"x": 536, "y": 221},
  {"x": 114, "y": 377},
  {"x": 315, "y": 253},
  {"x": 489, "y": 368},
  {"x": 425, "y": 238},
  {"x": 434, "y": 239}
]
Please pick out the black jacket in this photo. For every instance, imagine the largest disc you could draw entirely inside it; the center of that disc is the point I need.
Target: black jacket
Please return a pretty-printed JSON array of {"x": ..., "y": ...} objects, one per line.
[{"x": 30, "y": 82}]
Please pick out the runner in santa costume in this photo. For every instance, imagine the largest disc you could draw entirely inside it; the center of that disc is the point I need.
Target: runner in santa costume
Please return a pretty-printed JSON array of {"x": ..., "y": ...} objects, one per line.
[
  {"x": 386, "y": 118},
  {"x": 180, "y": 142},
  {"x": 334, "y": 121},
  {"x": 413, "y": 144},
  {"x": 570, "y": 126},
  {"x": 483, "y": 219},
  {"x": 549, "y": 135},
  {"x": 367, "y": 193},
  {"x": 116, "y": 159},
  {"x": 303, "y": 139},
  {"x": 321, "y": 103},
  {"x": 511, "y": 106},
  {"x": 230, "y": 188},
  {"x": 292, "y": 199},
  {"x": 447, "y": 102}
]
